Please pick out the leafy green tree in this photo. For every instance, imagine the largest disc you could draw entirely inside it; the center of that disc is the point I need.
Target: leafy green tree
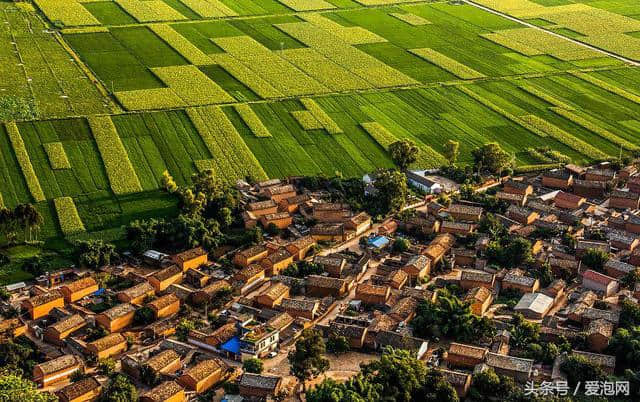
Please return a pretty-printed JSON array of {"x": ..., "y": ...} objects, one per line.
[
  {"x": 107, "y": 366},
  {"x": 492, "y": 157},
  {"x": 489, "y": 386},
  {"x": 631, "y": 279},
  {"x": 302, "y": 269},
  {"x": 625, "y": 345},
  {"x": 19, "y": 356},
  {"x": 451, "y": 151},
  {"x": 629, "y": 314},
  {"x": 400, "y": 245},
  {"x": 392, "y": 191},
  {"x": 403, "y": 153},
  {"x": 183, "y": 328},
  {"x": 579, "y": 370},
  {"x": 595, "y": 259},
  {"x": 37, "y": 265},
  {"x": 94, "y": 253},
  {"x": 15, "y": 108},
  {"x": 16, "y": 388},
  {"x": 337, "y": 344},
  {"x": 253, "y": 365},
  {"x": 144, "y": 316},
  {"x": 307, "y": 360},
  {"x": 120, "y": 389},
  {"x": 141, "y": 234},
  {"x": 523, "y": 332}
]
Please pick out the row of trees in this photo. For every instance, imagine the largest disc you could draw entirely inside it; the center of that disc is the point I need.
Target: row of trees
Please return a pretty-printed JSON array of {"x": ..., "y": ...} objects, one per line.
[{"x": 23, "y": 221}]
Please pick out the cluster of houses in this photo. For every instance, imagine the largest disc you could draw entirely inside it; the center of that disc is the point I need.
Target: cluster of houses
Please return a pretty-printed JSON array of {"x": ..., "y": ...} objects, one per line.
[{"x": 363, "y": 291}]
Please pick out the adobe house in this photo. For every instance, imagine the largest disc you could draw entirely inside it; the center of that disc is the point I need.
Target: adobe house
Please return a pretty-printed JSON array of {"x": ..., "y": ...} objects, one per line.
[
  {"x": 168, "y": 391},
  {"x": 372, "y": 294},
  {"x": 261, "y": 208},
  {"x": 457, "y": 228},
  {"x": 470, "y": 279},
  {"x": 273, "y": 295},
  {"x": 326, "y": 212},
  {"x": 57, "y": 332},
  {"x": 250, "y": 255},
  {"x": 86, "y": 389},
  {"x": 107, "y": 346},
  {"x": 559, "y": 178},
  {"x": 300, "y": 307},
  {"x": 461, "y": 355},
  {"x": 322, "y": 286},
  {"x": 56, "y": 370},
  {"x": 624, "y": 200},
  {"x": 76, "y": 290},
  {"x": 40, "y": 305},
  {"x": 299, "y": 248},
  {"x": 259, "y": 386},
  {"x": 460, "y": 212},
  {"x": 292, "y": 204},
  {"x": 359, "y": 223},
  {"x": 331, "y": 232},
  {"x": 247, "y": 277},
  {"x": 277, "y": 262},
  {"x": 279, "y": 193},
  {"x": 12, "y": 327},
  {"x": 568, "y": 201},
  {"x": 480, "y": 298},
  {"x": 162, "y": 279},
  {"x": 165, "y": 306},
  {"x": 191, "y": 259},
  {"x": 355, "y": 334},
  {"x": 417, "y": 267},
  {"x": 281, "y": 220},
  {"x": 518, "y": 187},
  {"x": 203, "y": 375},
  {"x": 518, "y": 368},
  {"x": 164, "y": 362},
  {"x": 598, "y": 333},
  {"x": 137, "y": 293},
  {"x": 116, "y": 318},
  {"x": 461, "y": 382}
]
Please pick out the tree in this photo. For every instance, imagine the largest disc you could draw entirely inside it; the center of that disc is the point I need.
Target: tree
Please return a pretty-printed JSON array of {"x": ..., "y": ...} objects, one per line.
[
  {"x": 37, "y": 265},
  {"x": 120, "y": 389},
  {"x": 106, "y": 366},
  {"x": 337, "y": 344},
  {"x": 487, "y": 386},
  {"x": 94, "y": 253},
  {"x": 595, "y": 259},
  {"x": 579, "y": 370},
  {"x": 168, "y": 183},
  {"x": 631, "y": 279},
  {"x": 625, "y": 345},
  {"x": 149, "y": 376},
  {"x": 141, "y": 234},
  {"x": 400, "y": 245},
  {"x": 451, "y": 151},
  {"x": 403, "y": 153},
  {"x": 144, "y": 315},
  {"x": 253, "y": 365},
  {"x": 307, "y": 360},
  {"x": 14, "y": 108},
  {"x": 491, "y": 157},
  {"x": 183, "y": 328},
  {"x": 524, "y": 332},
  {"x": 392, "y": 192},
  {"x": 16, "y": 388}
]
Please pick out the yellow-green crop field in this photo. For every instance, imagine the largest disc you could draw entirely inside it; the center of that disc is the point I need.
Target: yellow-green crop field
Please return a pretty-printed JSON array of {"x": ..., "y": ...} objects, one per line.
[{"x": 120, "y": 91}]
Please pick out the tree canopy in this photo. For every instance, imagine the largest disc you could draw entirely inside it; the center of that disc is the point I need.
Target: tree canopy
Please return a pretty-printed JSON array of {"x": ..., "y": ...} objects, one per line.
[
  {"x": 404, "y": 153},
  {"x": 307, "y": 360},
  {"x": 492, "y": 157}
]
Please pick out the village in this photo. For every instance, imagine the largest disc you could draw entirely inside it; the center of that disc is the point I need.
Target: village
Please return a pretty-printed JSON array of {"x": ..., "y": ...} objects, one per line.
[{"x": 531, "y": 277}]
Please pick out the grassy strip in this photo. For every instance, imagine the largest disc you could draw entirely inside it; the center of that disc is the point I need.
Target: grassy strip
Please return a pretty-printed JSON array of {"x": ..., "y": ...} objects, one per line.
[
  {"x": 322, "y": 116},
  {"x": 252, "y": 120},
  {"x": 149, "y": 99},
  {"x": 306, "y": 120},
  {"x": 192, "y": 85},
  {"x": 608, "y": 87},
  {"x": 534, "y": 153},
  {"x": 209, "y": 8},
  {"x": 545, "y": 96},
  {"x": 150, "y": 10},
  {"x": 122, "y": 176},
  {"x": 25, "y": 162},
  {"x": 562, "y": 136},
  {"x": 307, "y": 5},
  {"x": 70, "y": 222},
  {"x": 486, "y": 102},
  {"x": 57, "y": 156},
  {"x": 68, "y": 12},
  {"x": 446, "y": 63},
  {"x": 536, "y": 168},
  {"x": 181, "y": 45},
  {"x": 596, "y": 129},
  {"x": 411, "y": 19}
]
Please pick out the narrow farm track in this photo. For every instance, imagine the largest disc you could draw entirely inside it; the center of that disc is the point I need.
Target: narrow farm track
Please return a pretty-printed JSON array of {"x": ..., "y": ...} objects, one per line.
[{"x": 529, "y": 25}]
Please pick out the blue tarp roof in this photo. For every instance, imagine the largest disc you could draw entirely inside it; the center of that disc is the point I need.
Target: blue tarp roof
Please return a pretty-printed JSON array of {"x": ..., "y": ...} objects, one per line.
[
  {"x": 99, "y": 292},
  {"x": 379, "y": 241},
  {"x": 232, "y": 345}
]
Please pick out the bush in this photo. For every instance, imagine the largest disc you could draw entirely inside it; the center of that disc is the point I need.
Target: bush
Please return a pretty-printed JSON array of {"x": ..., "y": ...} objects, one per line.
[{"x": 253, "y": 365}]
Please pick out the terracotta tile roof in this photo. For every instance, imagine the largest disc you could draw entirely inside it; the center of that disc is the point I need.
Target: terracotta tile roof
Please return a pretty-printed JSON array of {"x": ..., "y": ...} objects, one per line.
[
  {"x": 276, "y": 290},
  {"x": 568, "y": 197},
  {"x": 216, "y": 286},
  {"x": 269, "y": 183},
  {"x": 162, "y": 359},
  {"x": 590, "y": 184},
  {"x": 347, "y": 330},
  {"x": 620, "y": 266},
  {"x": 44, "y": 298},
  {"x": 325, "y": 282},
  {"x": 108, "y": 341},
  {"x": 590, "y": 313},
  {"x": 455, "y": 377},
  {"x": 457, "y": 226},
  {"x": 204, "y": 369},
  {"x": 10, "y": 325},
  {"x": 189, "y": 254},
  {"x": 597, "y": 277},
  {"x": 164, "y": 301},
  {"x": 328, "y": 229},
  {"x": 253, "y": 251},
  {"x": 520, "y": 280},
  {"x": 596, "y": 358},
  {"x": 329, "y": 261},
  {"x": 465, "y": 209},
  {"x": 79, "y": 388},
  {"x": 600, "y": 326},
  {"x": 163, "y": 391},
  {"x": 280, "y": 255},
  {"x": 287, "y": 188},
  {"x": 280, "y": 321},
  {"x": 264, "y": 382},
  {"x": 398, "y": 276},
  {"x": 404, "y": 307},
  {"x": 67, "y": 323},
  {"x": 383, "y": 323},
  {"x": 118, "y": 311},
  {"x": 476, "y": 276},
  {"x": 374, "y": 290},
  {"x": 58, "y": 364},
  {"x": 297, "y": 199},
  {"x": 299, "y": 304},
  {"x": 138, "y": 290},
  {"x": 328, "y": 206},
  {"x": 167, "y": 273},
  {"x": 81, "y": 284},
  {"x": 303, "y": 242},
  {"x": 398, "y": 340},
  {"x": 475, "y": 352},
  {"x": 479, "y": 294},
  {"x": 222, "y": 334},
  {"x": 277, "y": 216},
  {"x": 509, "y": 363},
  {"x": 419, "y": 262},
  {"x": 259, "y": 205},
  {"x": 248, "y": 272}
]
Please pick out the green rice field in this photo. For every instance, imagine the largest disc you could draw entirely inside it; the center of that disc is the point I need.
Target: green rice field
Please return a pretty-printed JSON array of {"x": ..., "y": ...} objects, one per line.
[{"x": 128, "y": 89}]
